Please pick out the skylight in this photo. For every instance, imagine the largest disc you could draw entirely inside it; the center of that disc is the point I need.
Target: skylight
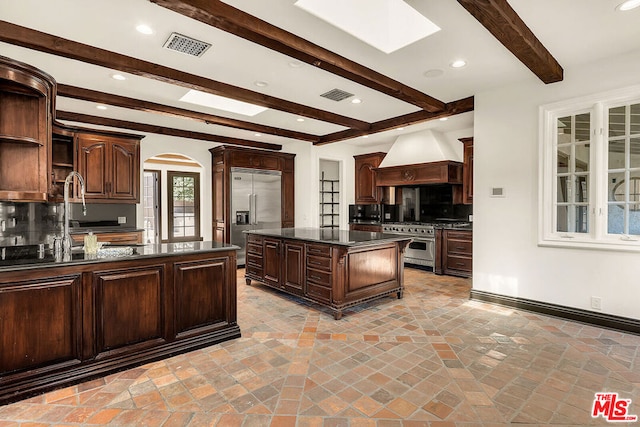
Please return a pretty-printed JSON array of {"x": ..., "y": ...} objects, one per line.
[
  {"x": 387, "y": 25},
  {"x": 221, "y": 103}
]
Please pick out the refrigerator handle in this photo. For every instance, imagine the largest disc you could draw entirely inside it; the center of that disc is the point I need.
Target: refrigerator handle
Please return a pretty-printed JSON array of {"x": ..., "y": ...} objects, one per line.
[
  {"x": 250, "y": 219},
  {"x": 255, "y": 209}
]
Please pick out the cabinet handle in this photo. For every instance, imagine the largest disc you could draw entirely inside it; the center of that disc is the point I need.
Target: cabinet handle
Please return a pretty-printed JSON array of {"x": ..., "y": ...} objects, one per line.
[
  {"x": 460, "y": 248},
  {"x": 316, "y": 277},
  {"x": 460, "y": 263}
]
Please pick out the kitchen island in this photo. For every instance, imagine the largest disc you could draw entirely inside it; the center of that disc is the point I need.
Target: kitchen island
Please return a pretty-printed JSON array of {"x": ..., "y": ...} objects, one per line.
[
  {"x": 335, "y": 268},
  {"x": 62, "y": 322}
]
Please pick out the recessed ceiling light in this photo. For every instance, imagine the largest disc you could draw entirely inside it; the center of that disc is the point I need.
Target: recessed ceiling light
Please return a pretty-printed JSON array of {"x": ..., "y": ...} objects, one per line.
[
  {"x": 628, "y": 5},
  {"x": 436, "y": 72},
  {"x": 356, "y": 101},
  {"x": 257, "y": 134},
  {"x": 365, "y": 136},
  {"x": 296, "y": 64},
  {"x": 260, "y": 83},
  {"x": 400, "y": 129},
  {"x": 221, "y": 103},
  {"x": 144, "y": 29},
  {"x": 118, "y": 77},
  {"x": 459, "y": 63},
  {"x": 387, "y": 25},
  {"x": 101, "y": 107},
  {"x": 444, "y": 119},
  {"x": 300, "y": 119}
]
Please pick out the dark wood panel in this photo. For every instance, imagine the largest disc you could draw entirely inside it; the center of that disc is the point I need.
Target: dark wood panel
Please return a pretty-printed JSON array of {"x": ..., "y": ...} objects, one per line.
[
  {"x": 92, "y": 165},
  {"x": 272, "y": 262},
  {"x": 467, "y": 171},
  {"x": 294, "y": 267},
  {"x": 371, "y": 267},
  {"x": 125, "y": 172},
  {"x": 200, "y": 294},
  {"x": 129, "y": 306},
  {"x": 39, "y": 322},
  {"x": 366, "y": 227},
  {"x": 425, "y": 173}
]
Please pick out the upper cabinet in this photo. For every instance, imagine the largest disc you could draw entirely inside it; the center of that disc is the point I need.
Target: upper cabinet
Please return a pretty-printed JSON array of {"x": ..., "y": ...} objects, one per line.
[
  {"x": 367, "y": 191},
  {"x": 467, "y": 171},
  {"x": 110, "y": 166},
  {"x": 26, "y": 110}
]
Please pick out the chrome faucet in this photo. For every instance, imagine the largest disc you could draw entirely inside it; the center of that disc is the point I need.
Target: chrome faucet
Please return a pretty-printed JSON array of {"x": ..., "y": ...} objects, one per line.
[{"x": 66, "y": 237}]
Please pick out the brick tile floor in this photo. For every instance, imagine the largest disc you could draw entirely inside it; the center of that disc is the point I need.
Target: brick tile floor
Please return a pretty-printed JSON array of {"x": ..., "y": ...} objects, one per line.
[{"x": 434, "y": 358}]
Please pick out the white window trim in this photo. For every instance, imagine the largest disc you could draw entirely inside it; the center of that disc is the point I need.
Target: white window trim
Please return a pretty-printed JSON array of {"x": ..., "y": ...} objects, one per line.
[{"x": 597, "y": 238}]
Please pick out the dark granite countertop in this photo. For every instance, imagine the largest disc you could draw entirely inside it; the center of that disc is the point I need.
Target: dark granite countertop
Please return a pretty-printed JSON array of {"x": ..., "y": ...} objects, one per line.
[
  {"x": 331, "y": 236},
  {"x": 139, "y": 251}
]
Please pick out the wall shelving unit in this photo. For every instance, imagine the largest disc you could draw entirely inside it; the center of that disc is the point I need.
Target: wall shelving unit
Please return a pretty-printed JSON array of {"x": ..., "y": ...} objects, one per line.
[{"x": 329, "y": 203}]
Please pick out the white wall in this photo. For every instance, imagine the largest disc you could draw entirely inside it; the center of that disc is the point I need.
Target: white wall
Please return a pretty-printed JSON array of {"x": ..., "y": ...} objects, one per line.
[{"x": 506, "y": 258}]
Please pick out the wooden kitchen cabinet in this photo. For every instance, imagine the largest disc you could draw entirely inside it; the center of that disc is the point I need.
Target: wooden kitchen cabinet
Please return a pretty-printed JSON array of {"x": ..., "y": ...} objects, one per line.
[
  {"x": 457, "y": 252},
  {"x": 110, "y": 166},
  {"x": 226, "y": 157},
  {"x": 467, "y": 171},
  {"x": 26, "y": 111},
  {"x": 367, "y": 191}
]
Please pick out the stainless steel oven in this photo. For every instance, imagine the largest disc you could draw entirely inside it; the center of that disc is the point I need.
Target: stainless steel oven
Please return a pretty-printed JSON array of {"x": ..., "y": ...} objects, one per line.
[{"x": 422, "y": 249}]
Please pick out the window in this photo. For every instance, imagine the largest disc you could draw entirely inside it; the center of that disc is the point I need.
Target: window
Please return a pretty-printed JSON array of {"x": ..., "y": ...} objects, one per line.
[
  {"x": 590, "y": 172},
  {"x": 184, "y": 206}
]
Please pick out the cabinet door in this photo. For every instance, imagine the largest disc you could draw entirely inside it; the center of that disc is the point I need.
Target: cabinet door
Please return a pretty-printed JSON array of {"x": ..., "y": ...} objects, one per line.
[
  {"x": 125, "y": 170},
  {"x": 130, "y": 307},
  {"x": 92, "y": 165},
  {"x": 272, "y": 262},
  {"x": 366, "y": 190},
  {"x": 294, "y": 267},
  {"x": 467, "y": 171},
  {"x": 40, "y": 322}
]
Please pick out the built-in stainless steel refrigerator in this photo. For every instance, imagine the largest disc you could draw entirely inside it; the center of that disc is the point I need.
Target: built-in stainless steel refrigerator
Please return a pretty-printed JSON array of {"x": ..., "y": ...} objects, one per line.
[{"x": 255, "y": 203}]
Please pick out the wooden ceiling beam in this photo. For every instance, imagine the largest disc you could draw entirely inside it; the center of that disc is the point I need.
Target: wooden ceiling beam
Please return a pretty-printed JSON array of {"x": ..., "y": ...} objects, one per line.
[
  {"x": 152, "y": 107},
  {"x": 161, "y": 130},
  {"x": 451, "y": 109},
  {"x": 43, "y": 42},
  {"x": 499, "y": 18},
  {"x": 234, "y": 21}
]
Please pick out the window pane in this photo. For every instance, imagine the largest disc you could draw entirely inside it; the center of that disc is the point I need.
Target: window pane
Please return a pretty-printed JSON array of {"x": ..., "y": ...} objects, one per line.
[
  {"x": 634, "y": 156},
  {"x": 582, "y": 157},
  {"x": 582, "y": 190},
  {"x": 563, "y": 189},
  {"x": 616, "y": 121},
  {"x": 564, "y": 153},
  {"x": 189, "y": 231},
  {"x": 615, "y": 219},
  {"x": 563, "y": 218},
  {"x": 635, "y": 119},
  {"x": 616, "y": 154},
  {"x": 634, "y": 221},
  {"x": 583, "y": 127},
  {"x": 582, "y": 219},
  {"x": 564, "y": 129}
]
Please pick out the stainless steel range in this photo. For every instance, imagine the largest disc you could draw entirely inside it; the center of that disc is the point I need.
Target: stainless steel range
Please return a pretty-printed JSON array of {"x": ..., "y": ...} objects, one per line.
[{"x": 422, "y": 250}]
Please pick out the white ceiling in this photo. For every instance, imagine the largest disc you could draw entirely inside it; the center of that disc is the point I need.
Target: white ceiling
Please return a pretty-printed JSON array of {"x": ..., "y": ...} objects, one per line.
[{"x": 574, "y": 31}]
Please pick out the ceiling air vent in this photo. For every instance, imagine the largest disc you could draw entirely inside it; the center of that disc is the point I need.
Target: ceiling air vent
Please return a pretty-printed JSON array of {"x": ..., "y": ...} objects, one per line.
[
  {"x": 337, "y": 95},
  {"x": 187, "y": 45}
]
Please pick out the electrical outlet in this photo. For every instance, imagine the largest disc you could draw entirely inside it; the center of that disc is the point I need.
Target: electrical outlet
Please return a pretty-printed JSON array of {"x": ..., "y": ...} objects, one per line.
[
  {"x": 122, "y": 220},
  {"x": 596, "y": 303}
]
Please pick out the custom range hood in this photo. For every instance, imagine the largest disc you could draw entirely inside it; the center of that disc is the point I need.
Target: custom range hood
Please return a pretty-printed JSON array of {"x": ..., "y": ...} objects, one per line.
[{"x": 425, "y": 157}]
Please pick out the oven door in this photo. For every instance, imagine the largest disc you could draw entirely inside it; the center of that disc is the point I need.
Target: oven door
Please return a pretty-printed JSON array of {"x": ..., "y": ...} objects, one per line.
[{"x": 421, "y": 251}]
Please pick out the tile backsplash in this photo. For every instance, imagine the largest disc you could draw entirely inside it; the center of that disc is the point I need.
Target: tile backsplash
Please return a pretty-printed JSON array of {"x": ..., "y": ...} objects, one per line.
[{"x": 30, "y": 223}]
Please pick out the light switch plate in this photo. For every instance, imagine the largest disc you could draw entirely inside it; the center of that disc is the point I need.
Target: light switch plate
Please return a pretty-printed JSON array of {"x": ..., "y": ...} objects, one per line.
[{"x": 122, "y": 220}]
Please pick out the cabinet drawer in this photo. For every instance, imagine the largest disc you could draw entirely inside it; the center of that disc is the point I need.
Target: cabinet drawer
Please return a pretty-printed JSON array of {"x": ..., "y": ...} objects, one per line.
[
  {"x": 253, "y": 259},
  {"x": 252, "y": 238},
  {"x": 253, "y": 270},
  {"x": 320, "y": 293},
  {"x": 459, "y": 247},
  {"x": 319, "y": 250},
  {"x": 459, "y": 263},
  {"x": 459, "y": 235},
  {"x": 318, "y": 277},
  {"x": 319, "y": 263},
  {"x": 254, "y": 248}
]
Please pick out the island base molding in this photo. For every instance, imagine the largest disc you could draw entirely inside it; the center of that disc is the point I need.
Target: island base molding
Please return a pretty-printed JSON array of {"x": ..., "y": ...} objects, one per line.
[{"x": 610, "y": 321}]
